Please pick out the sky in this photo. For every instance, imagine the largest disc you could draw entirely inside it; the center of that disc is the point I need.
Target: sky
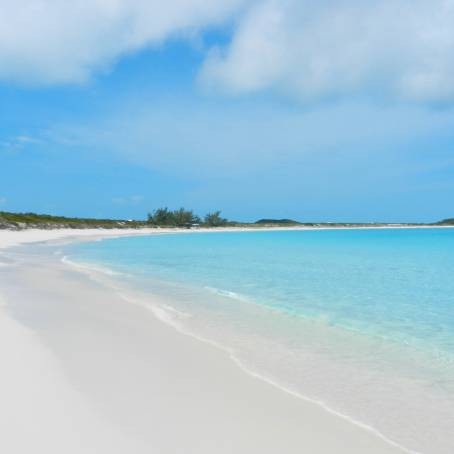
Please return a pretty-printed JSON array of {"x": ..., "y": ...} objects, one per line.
[{"x": 337, "y": 110}]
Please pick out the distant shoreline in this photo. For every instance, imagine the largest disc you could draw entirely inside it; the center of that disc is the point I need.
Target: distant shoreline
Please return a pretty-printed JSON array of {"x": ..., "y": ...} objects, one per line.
[
  {"x": 213, "y": 221},
  {"x": 245, "y": 226},
  {"x": 14, "y": 237}
]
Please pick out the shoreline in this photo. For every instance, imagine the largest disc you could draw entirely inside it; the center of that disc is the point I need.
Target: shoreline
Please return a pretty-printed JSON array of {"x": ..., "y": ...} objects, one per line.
[
  {"x": 10, "y": 238},
  {"x": 330, "y": 422},
  {"x": 164, "y": 312},
  {"x": 162, "y": 316}
]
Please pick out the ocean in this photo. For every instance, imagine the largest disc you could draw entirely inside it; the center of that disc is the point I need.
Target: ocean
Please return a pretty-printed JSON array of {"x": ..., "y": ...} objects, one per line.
[{"x": 359, "y": 321}]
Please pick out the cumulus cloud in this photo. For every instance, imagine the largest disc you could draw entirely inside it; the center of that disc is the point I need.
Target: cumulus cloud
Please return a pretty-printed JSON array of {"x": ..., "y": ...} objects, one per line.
[
  {"x": 400, "y": 48},
  {"x": 60, "y": 41}
]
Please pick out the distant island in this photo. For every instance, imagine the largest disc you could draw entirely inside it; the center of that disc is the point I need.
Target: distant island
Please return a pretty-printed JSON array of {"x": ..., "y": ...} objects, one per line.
[
  {"x": 181, "y": 218},
  {"x": 277, "y": 221}
]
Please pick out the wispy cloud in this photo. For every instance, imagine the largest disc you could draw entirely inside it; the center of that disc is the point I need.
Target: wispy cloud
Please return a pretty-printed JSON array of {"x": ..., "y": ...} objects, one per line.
[
  {"x": 26, "y": 139},
  {"x": 18, "y": 143},
  {"x": 3, "y": 200},
  {"x": 264, "y": 137}
]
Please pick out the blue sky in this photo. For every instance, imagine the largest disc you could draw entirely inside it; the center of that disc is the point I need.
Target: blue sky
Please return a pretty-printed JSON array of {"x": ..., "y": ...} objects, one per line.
[{"x": 262, "y": 108}]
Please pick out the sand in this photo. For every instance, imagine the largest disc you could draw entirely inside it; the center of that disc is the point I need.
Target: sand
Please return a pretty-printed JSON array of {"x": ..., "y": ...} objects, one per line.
[{"x": 86, "y": 371}]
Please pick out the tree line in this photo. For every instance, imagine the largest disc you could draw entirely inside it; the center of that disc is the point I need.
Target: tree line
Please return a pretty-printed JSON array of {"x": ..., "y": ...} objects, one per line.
[{"x": 184, "y": 218}]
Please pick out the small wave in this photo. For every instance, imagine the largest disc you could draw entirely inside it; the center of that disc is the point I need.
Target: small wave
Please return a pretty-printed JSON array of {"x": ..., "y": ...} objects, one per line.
[
  {"x": 176, "y": 319},
  {"x": 229, "y": 294},
  {"x": 89, "y": 267},
  {"x": 172, "y": 317},
  {"x": 168, "y": 315}
]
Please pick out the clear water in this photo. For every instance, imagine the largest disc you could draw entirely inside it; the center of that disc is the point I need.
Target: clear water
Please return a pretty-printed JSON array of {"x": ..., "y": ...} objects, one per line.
[{"x": 360, "y": 321}]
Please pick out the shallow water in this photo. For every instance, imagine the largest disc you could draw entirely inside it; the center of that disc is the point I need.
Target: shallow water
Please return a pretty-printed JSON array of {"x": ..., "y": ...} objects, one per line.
[{"x": 361, "y": 321}]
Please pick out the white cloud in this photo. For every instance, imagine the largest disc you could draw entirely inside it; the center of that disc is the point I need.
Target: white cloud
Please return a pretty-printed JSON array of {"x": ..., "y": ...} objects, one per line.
[
  {"x": 26, "y": 139},
  {"x": 18, "y": 143},
  {"x": 230, "y": 139},
  {"x": 60, "y": 41},
  {"x": 2, "y": 200},
  {"x": 400, "y": 48}
]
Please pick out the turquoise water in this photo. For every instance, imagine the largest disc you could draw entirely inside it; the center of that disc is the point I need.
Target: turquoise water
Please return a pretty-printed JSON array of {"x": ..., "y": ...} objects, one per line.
[{"x": 361, "y": 321}]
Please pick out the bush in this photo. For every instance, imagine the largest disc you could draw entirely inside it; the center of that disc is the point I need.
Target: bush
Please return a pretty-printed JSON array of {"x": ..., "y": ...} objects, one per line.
[{"x": 215, "y": 220}]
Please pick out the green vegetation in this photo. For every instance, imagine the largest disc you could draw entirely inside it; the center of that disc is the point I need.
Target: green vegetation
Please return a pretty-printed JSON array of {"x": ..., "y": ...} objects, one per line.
[
  {"x": 278, "y": 221},
  {"x": 176, "y": 218},
  {"x": 33, "y": 220},
  {"x": 215, "y": 220},
  {"x": 449, "y": 221},
  {"x": 184, "y": 218},
  {"x": 163, "y": 217}
]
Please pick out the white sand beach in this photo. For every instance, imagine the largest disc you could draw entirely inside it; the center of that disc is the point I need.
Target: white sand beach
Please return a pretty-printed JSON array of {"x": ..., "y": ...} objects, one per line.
[{"x": 87, "y": 371}]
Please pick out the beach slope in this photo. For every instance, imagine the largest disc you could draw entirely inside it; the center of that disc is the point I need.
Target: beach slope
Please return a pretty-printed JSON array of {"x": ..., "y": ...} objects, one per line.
[{"x": 86, "y": 371}]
